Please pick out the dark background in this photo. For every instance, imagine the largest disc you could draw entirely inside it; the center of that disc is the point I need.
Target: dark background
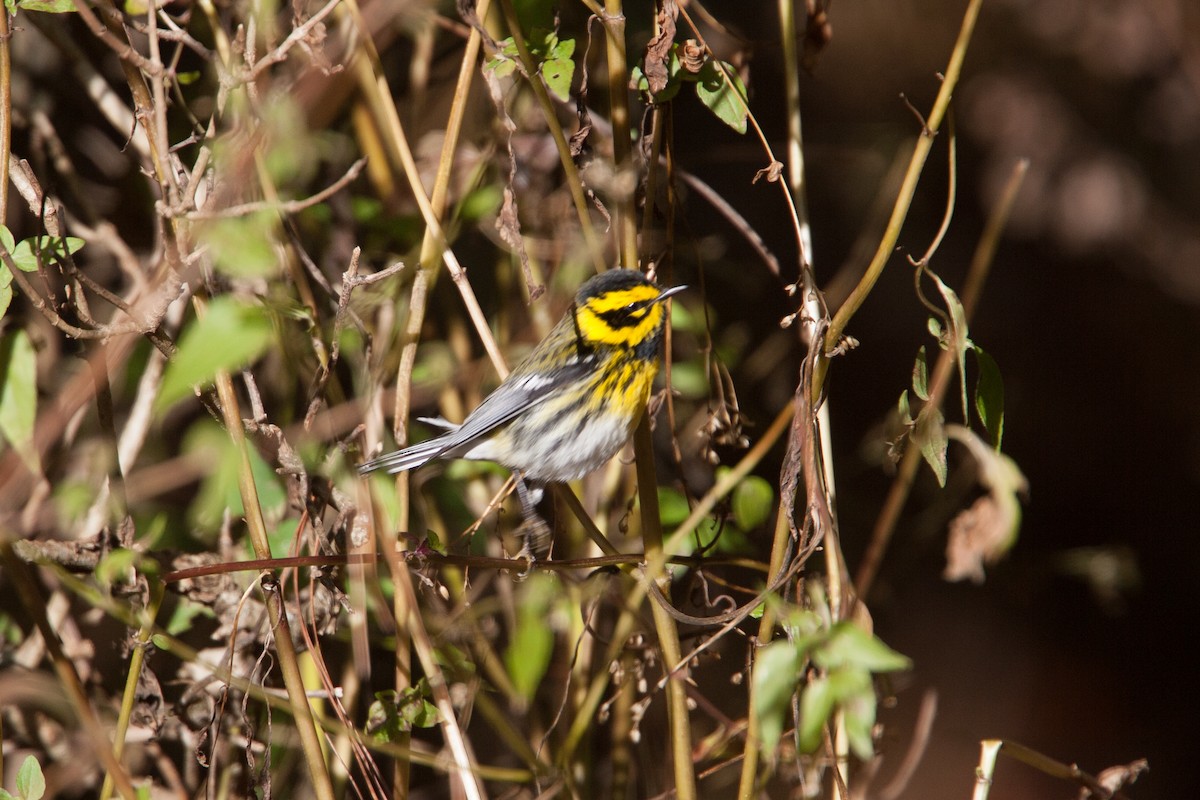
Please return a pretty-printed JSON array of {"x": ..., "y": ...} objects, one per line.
[{"x": 1076, "y": 645}]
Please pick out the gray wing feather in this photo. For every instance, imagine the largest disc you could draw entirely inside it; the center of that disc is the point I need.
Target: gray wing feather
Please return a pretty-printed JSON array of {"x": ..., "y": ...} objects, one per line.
[{"x": 512, "y": 398}]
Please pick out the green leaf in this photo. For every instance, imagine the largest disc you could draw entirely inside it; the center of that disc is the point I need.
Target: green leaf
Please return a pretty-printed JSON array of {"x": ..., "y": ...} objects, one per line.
[
  {"x": 6, "y": 239},
  {"x": 639, "y": 81},
  {"x": 930, "y": 436},
  {"x": 752, "y": 502},
  {"x": 920, "y": 378},
  {"x": 776, "y": 669},
  {"x": 558, "y": 72},
  {"x": 528, "y": 654},
  {"x": 231, "y": 335},
  {"x": 242, "y": 246},
  {"x": 4, "y": 793},
  {"x": 18, "y": 395},
  {"x": 716, "y": 93},
  {"x": 856, "y": 696},
  {"x": 959, "y": 339},
  {"x": 394, "y": 714},
  {"x": 219, "y": 491},
  {"x": 903, "y": 409},
  {"x": 672, "y": 507},
  {"x": 31, "y": 784},
  {"x": 989, "y": 396},
  {"x": 115, "y": 564},
  {"x": 850, "y": 645},
  {"x": 49, "y": 248},
  {"x": 6, "y": 292},
  {"x": 816, "y": 705},
  {"x": 479, "y": 203},
  {"x": 184, "y": 614},
  {"x": 501, "y": 65},
  {"x": 49, "y": 6}
]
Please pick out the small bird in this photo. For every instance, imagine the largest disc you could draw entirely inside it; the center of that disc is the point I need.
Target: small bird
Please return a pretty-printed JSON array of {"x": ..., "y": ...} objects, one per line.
[{"x": 572, "y": 403}]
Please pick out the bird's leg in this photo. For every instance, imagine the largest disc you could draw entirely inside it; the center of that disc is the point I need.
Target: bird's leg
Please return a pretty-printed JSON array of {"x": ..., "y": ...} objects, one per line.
[{"x": 535, "y": 533}]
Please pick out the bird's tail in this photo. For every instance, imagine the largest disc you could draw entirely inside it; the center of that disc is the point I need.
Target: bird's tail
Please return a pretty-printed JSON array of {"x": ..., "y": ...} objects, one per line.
[{"x": 406, "y": 459}]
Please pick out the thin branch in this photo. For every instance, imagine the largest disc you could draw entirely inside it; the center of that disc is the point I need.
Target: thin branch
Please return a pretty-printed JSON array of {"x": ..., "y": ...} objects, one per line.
[{"x": 285, "y": 207}]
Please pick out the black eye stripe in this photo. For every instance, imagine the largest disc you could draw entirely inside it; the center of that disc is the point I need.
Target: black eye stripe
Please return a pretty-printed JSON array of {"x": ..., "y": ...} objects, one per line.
[{"x": 625, "y": 317}]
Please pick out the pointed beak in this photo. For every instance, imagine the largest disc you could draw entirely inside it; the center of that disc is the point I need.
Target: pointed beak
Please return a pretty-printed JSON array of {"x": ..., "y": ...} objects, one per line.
[{"x": 668, "y": 292}]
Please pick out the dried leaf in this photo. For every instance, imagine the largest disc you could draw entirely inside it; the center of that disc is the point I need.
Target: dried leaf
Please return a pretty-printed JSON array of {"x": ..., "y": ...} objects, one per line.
[
  {"x": 987, "y": 530},
  {"x": 658, "y": 49}
]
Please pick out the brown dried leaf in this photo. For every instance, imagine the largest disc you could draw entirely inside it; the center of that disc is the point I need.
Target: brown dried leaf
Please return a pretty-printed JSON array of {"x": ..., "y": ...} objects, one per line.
[
  {"x": 977, "y": 535},
  {"x": 692, "y": 56},
  {"x": 1114, "y": 779},
  {"x": 771, "y": 172},
  {"x": 658, "y": 49}
]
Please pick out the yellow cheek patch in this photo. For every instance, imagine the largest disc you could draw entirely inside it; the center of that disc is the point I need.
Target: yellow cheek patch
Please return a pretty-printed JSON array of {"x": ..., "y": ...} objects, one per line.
[{"x": 595, "y": 329}]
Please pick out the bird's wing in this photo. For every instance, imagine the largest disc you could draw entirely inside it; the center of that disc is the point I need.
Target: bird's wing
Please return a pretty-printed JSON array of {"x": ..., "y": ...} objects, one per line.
[{"x": 517, "y": 394}]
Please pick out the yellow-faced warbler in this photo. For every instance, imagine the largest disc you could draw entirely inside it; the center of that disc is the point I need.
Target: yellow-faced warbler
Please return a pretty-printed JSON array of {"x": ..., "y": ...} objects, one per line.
[{"x": 573, "y": 402}]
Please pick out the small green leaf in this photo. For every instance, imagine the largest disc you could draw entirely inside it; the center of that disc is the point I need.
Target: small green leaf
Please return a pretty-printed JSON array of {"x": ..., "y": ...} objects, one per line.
[
  {"x": 989, "y": 396},
  {"x": 4, "y": 793},
  {"x": 18, "y": 395},
  {"x": 394, "y": 714},
  {"x": 856, "y": 696},
  {"x": 930, "y": 436},
  {"x": 903, "y": 409},
  {"x": 850, "y": 645},
  {"x": 6, "y": 292},
  {"x": 959, "y": 338},
  {"x": 920, "y": 378},
  {"x": 528, "y": 654},
  {"x": 49, "y": 6},
  {"x": 565, "y": 48},
  {"x": 31, "y": 784},
  {"x": 480, "y": 203},
  {"x": 639, "y": 81},
  {"x": 242, "y": 246},
  {"x": 775, "y": 672},
  {"x": 558, "y": 72},
  {"x": 115, "y": 565},
  {"x": 49, "y": 248},
  {"x": 716, "y": 93},
  {"x": 184, "y": 614},
  {"x": 816, "y": 705},
  {"x": 6, "y": 239},
  {"x": 672, "y": 507},
  {"x": 231, "y": 335},
  {"x": 752, "y": 502}
]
